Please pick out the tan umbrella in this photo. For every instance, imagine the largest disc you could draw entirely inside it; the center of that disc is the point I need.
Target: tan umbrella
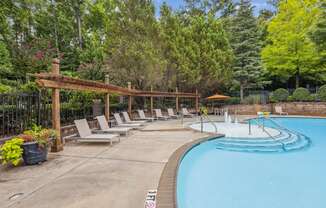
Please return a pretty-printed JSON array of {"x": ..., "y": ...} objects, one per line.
[{"x": 218, "y": 97}]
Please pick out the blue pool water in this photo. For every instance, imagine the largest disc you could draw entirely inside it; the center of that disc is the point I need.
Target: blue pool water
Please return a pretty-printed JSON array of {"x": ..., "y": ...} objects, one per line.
[{"x": 215, "y": 178}]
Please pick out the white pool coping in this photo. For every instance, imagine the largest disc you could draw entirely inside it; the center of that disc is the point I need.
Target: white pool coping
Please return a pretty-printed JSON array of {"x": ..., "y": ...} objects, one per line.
[{"x": 237, "y": 130}]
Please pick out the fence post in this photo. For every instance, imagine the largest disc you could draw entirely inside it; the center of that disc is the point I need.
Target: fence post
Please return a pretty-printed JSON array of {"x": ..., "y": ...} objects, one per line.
[
  {"x": 152, "y": 103},
  {"x": 107, "y": 99},
  {"x": 129, "y": 101},
  {"x": 197, "y": 102},
  {"x": 56, "y": 109},
  {"x": 176, "y": 101}
]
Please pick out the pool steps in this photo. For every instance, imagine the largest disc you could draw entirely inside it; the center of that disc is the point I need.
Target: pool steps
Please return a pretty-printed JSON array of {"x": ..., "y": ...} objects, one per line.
[{"x": 286, "y": 141}]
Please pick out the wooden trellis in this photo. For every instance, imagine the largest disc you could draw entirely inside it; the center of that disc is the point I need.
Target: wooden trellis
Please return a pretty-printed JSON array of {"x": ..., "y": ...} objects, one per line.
[{"x": 55, "y": 81}]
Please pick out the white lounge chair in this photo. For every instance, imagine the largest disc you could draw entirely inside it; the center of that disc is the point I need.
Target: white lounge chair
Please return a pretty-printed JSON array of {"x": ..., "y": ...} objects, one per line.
[
  {"x": 279, "y": 110},
  {"x": 171, "y": 113},
  {"x": 186, "y": 113},
  {"x": 104, "y": 127},
  {"x": 121, "y": 124},
  {"x": 142, "y": 116},
  {"x": 159, "y": 115},
  {"x": 85, "y": 134},
  {"x": 129, "y": 121}
]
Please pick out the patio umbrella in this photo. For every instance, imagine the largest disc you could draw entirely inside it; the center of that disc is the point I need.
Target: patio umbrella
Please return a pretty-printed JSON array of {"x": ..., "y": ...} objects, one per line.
[{"x": 218, "y": 97}]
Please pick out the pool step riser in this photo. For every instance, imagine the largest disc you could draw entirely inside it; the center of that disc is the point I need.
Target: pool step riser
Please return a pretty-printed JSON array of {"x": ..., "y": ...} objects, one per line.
[{"x": 291, "y": 142}]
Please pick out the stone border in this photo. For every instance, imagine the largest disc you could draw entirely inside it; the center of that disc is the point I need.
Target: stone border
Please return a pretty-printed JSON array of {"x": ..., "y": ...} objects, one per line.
[{"x": 167, "y": 188}]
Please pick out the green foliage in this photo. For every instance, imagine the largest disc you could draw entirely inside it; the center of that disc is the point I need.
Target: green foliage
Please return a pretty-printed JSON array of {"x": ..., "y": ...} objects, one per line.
[
  {"x": 5, "y": 88},
  {"x": 233, "y": 101},
  {"x": 6, "y": 69},
  {"x": 40, "y": 135},
  {"x": 318, "y": 34},
  {"x": 301, "y": 94},
  {"x": 246, "y": 44},
  {"x": 28, "y": 87},
  {"x": 252, "y": 99},
  {"x": 197, "y": 50},
  {"x": 11, "y": 151},
  {"x": 290, "y": 52},
  {"x": 321, "y": 94},
  {"x": 279, "y": 95}
]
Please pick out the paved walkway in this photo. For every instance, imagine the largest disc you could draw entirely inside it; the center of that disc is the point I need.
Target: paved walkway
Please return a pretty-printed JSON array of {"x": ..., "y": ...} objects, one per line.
[{"x": 96, "y": 175}]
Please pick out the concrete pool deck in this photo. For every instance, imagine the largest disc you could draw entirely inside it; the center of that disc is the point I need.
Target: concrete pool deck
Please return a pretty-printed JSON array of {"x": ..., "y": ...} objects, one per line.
[{"x": 97, "y": 175}]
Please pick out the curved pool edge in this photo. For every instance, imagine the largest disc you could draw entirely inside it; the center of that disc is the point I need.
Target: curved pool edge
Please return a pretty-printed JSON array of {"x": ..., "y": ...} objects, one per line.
[{"x": 167, "y": 188}]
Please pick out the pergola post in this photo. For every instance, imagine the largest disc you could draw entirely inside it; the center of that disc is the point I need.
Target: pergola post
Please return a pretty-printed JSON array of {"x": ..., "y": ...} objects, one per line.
[
  {"x": 176, "y": 101},
  {"x": 107, "y": 99},
  {"x": 58, "y": 146},
  {"x": 152, "y": 103},
  {"x": 129, "y": 101},
  {"x": 197, "y": 102}
]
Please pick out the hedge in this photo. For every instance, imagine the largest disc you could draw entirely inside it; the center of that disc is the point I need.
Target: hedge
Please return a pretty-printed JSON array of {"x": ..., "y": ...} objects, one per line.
[
  {"x": 321, "y": 94},
  {"x": 279, "y": 95},
  {"x": 301, "y": 94}
]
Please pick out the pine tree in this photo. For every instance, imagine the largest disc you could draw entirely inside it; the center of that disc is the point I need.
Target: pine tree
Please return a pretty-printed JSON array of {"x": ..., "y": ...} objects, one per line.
[{"x": 246, "y": 46}]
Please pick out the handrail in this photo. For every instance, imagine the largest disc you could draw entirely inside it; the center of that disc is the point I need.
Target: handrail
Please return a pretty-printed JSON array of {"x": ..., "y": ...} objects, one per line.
[
  {"x": 284, "y": 128},
  {"x": 209, "y": 120},
  {"x": 283, "y": 145}
]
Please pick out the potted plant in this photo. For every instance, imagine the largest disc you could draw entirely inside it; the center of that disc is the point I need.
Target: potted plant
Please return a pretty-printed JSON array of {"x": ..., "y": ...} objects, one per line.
[{"x": 31, "y": 146}]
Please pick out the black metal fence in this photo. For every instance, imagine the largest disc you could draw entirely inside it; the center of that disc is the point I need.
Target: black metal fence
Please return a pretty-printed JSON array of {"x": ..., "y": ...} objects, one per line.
[{"x": 19, "y": 111}]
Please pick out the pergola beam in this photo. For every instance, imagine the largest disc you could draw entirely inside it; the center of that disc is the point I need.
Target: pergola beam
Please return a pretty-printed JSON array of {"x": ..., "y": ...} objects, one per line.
[{"x": 48, "y": 80}]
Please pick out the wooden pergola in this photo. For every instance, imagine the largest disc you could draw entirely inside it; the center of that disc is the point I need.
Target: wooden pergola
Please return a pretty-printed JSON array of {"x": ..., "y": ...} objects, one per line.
[{"x": 55, "y": 81}]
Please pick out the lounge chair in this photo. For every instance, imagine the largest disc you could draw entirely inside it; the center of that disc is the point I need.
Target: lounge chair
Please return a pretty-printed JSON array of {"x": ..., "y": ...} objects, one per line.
[
  {"x": 85, "y": 134},
  {"x": 186, "y": 113},
  {"x": 171, "y": 113},
  {"x": 279, "y": 110},
  {"x": 121, "y": 124},
  {"x": 129, "y": 121},
  {"x": 104, "y": 127},
  {"x": 143, "y": 117},
  {"x": 159, "y": 115}
]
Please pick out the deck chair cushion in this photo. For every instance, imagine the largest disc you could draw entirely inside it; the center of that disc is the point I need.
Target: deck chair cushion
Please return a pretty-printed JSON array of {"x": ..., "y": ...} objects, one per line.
[
  {"x": 118, "y": 118},
  {"x": 102, "y": 122},
  {"x": 83, "y": 128}
]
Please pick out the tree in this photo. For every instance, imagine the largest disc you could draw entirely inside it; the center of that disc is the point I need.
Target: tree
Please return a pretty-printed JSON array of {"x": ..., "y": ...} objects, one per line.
[
  {"x": 246, "y": 47},
  {"x": 133, "y": 47},
  {"x": 290, "y": 51},
  {"x": 6, "y": 70},
  {"x": 196, "y": 49},
  {"x": 318, "y": 35}
]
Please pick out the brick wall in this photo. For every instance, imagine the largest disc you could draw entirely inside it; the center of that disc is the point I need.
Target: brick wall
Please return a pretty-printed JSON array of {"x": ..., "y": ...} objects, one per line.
[{"x": 293, "y": 108}]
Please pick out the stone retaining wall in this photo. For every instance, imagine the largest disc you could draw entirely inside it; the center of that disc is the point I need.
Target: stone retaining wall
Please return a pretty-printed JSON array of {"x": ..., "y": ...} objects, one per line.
[{"x": 293, "y": 108}]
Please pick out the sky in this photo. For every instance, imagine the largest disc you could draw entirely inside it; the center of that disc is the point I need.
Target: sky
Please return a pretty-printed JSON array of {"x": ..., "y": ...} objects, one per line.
[{"x": 175, "y": 4}]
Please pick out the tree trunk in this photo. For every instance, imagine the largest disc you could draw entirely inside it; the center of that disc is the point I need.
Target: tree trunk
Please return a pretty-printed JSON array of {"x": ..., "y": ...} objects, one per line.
[
  {"x": 241, "y": 92},
  {"x": 78, "y": 21},
  {"x": 297, "y": 78},
  {"x": 80, "y": 38}
]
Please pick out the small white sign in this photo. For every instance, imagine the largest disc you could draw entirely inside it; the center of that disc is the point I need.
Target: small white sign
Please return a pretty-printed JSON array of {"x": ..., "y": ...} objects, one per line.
[{"x": 150, "y": 201}]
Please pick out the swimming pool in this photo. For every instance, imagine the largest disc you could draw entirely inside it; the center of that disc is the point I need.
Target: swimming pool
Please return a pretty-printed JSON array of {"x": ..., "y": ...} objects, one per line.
[{"x": 215, "y": 177}]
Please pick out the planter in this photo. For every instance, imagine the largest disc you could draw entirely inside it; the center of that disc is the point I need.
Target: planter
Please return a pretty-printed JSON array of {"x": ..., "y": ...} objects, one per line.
[{"x": 33, "y": 154}]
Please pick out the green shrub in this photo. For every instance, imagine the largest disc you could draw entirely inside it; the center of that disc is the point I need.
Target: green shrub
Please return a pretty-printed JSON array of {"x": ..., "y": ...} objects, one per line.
[
  {"x": 321, "y": 94},
  {"x": 251, "y": 99},
  {"x": 11, "y": 151},
  {"x": 233, "y": 101},
  {"x": 279, "y": 95},
  {"x": 301, "y": 94},
  {"x": 5, "y": 88},
  {"x": 29, "y": 87}
]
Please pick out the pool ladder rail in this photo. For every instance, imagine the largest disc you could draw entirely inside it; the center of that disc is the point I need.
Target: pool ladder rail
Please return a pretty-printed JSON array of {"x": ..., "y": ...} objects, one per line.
[{"x": 202, "y": 118}]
